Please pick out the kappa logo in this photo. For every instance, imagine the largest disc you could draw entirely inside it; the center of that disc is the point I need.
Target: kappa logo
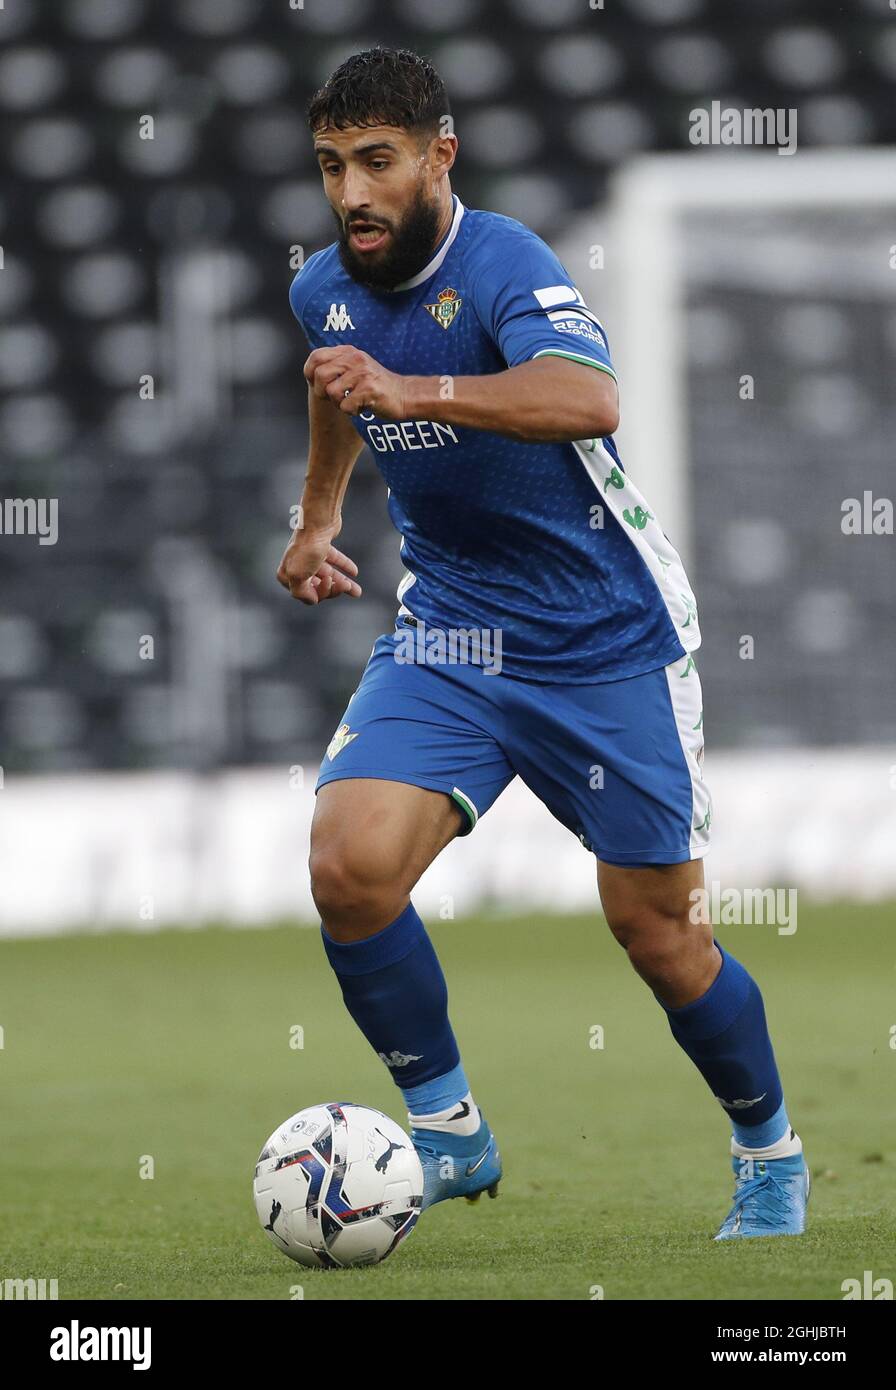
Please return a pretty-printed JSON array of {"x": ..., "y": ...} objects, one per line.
[
  {"x": 638, "y": 519},
  {"x": 446, "y": 308},
  {"x": 339, "y": 741},
  {"x": 338, "y": 319},
  {"x": 740, "y": 1104},
  {"x": 399, "y": 1059}
]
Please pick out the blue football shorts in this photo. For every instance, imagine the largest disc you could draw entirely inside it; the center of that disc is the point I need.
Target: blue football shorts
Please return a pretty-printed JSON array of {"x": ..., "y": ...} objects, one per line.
[{"x": 619, "y": 763}]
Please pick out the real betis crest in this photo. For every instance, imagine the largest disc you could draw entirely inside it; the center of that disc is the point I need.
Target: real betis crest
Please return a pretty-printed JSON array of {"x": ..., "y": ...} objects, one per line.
[
  {"x": 446, "y": 309},
  {"x": 339, "y": 740}
]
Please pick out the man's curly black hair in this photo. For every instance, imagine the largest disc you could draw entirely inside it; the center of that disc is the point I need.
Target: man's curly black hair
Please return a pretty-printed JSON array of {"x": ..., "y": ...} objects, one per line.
[{"x": 382, "y": 86}]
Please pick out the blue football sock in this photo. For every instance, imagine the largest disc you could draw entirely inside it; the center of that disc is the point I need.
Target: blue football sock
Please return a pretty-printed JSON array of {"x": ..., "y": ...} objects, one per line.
[
  {"x": 443, "y": 1092},
  {"x": 395, "y": 991},
  {"x": 725, "y": 1034}
]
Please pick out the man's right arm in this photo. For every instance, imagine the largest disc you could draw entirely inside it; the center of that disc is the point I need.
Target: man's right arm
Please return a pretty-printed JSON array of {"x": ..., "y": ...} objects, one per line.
[{"x": 312, "y": 569}]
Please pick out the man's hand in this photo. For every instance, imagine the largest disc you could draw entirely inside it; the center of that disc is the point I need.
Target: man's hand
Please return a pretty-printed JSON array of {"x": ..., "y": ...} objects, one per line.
[
  {"x": 354, "y": 381},
  {"x": 312, "y": 569}
]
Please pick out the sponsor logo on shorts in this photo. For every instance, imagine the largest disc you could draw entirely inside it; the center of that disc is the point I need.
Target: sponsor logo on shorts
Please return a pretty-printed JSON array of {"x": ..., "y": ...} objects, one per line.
[{"x": 339, "y": 741}]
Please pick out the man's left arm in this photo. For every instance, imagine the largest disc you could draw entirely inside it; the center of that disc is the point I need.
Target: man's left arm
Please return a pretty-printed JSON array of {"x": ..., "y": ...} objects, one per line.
[
  {"x": 547, "y": 399},
  {"x": 550, "y": 398}
]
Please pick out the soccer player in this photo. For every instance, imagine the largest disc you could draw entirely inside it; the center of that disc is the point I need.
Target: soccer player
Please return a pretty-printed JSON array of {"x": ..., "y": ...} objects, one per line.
[{"x": 546, "y": 627}]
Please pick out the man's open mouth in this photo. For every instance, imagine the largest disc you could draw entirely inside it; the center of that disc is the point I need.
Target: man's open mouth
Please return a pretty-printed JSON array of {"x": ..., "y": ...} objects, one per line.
[{"x": 367, "y": 236}]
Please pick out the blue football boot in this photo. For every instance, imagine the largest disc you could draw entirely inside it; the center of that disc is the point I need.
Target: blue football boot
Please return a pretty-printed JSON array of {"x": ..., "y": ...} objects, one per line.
[
  {"x": 770, "y": 1197},
  {"x": 457, "y": 1165}
]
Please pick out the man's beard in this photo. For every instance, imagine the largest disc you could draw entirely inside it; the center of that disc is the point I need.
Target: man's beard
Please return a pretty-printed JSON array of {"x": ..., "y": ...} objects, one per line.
[{"x": 410, "y": 247}]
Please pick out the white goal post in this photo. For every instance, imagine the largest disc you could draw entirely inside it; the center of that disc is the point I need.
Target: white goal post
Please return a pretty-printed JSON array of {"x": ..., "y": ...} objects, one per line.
[{"x": 639, "y": 289}]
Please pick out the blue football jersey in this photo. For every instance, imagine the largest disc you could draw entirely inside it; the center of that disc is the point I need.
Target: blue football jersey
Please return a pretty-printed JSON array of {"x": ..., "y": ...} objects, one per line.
[{"x": 549, "y": 545}]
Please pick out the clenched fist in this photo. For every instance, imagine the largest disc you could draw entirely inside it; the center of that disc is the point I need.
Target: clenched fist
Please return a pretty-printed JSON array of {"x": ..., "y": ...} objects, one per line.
[{"x": 354, "y": 381}]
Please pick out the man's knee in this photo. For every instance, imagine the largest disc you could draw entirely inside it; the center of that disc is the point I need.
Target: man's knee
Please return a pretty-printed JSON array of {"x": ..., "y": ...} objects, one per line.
[
  {"x": 676, "y": 958},
  {"x": 660, "y": 951},
  {"x": 669, "y": 950},
  {"x": 356, "y": 886}
]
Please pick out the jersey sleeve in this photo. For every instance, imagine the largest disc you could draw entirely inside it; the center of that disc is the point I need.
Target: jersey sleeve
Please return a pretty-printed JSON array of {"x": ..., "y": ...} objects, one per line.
[
  {"x": 530, "y": 307},
  {"x": 300, "y": 292}
]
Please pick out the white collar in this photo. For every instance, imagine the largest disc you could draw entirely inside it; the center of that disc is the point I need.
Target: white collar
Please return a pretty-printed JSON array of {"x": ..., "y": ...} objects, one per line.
[{"x": 438, "y": 258}]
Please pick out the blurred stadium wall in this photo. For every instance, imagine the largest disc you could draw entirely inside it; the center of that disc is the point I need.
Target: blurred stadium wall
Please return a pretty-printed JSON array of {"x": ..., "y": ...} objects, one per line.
[{"x": 163, "y": 703}]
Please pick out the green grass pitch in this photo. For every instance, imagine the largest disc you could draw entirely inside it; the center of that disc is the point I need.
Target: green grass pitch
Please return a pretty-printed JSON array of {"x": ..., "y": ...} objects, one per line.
[{"x": 176, "y": 1045}]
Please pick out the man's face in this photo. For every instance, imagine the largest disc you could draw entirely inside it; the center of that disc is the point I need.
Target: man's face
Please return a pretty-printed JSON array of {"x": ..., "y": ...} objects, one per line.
[{"x": 382, "y": 184}]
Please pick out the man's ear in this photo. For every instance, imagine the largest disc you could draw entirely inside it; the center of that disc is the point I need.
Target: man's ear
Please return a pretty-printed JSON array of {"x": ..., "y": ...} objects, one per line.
[{"x": 442, "y": 154}]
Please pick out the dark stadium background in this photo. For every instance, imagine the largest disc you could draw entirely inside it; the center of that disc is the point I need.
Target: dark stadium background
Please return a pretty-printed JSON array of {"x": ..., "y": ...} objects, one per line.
[
  {"x": 141, "y": 800},
  {"x": 171, "y": 257}
]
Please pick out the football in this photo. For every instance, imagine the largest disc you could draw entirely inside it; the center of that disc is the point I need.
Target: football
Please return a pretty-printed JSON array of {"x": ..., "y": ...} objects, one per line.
[{"x": 338, "y": 1185}]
